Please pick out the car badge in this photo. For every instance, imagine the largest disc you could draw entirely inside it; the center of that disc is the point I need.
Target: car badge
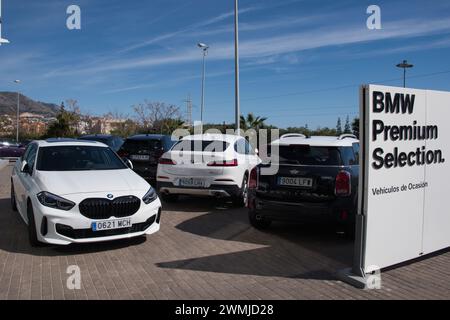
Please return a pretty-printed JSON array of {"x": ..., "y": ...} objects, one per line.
[
  {"x": 110, "y": 196},
  {"x": 294, "y": 172}
]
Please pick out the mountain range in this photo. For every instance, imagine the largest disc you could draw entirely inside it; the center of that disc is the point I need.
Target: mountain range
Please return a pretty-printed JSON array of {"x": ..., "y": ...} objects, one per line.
[{"x": 8, "y": 105}]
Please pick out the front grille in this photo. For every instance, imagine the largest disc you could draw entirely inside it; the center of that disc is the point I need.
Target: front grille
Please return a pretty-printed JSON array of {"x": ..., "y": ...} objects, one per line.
[
  {"x": 89, "y": 233},
  {"x": 105, "y": 209}
]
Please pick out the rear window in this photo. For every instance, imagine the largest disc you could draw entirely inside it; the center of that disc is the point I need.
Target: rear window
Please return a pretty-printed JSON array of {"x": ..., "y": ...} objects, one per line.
[
  {"x": 142, "y": 146},
  {"x": 201, "y": 145},
  {"x": 311, "y": 156}
]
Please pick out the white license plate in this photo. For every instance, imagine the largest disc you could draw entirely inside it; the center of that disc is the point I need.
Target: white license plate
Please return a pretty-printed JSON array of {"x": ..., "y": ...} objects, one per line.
[
  {"x": 192, "y": 182},
  {"x": 295, "y": 182},
  {"x": 111, "y": 224},
  {"x": 140, "y": 157}
]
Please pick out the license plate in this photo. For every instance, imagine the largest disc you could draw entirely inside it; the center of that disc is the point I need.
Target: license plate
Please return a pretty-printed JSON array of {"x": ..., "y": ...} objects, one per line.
[
  {"x": 111, "y": 224},
  {"x": 191, "y": 182},
  {"x": 295, "y": 182},
  {"x": 140, "y": 157}
]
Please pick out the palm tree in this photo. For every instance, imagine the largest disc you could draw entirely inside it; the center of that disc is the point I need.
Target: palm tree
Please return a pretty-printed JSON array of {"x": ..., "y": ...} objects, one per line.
[{"x": 252, "y": 122}]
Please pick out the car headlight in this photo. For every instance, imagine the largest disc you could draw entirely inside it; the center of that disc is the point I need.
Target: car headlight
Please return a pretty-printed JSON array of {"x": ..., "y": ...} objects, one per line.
[
  {"x": 150, "y": 196},
  {"x": 53, "y": 201}
]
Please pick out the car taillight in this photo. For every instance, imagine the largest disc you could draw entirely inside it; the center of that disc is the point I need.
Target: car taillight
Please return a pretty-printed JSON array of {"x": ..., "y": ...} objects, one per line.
[
  {"x": 253, "y": 179},
  {"x": 167, "y": 161},
  {"x": 343, "y": 184},
  {"x": 224, "y": 163}
]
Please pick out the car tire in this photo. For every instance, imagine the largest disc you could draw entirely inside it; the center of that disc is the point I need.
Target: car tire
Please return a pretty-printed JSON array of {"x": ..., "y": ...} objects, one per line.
[
  {"x": 258, "y": 222},
  {"x": 242, "y": 198},
  {"x": 13, "y": 199},
  {"x": 32, "y": 232},
  {"x": 169, "y": 198}
]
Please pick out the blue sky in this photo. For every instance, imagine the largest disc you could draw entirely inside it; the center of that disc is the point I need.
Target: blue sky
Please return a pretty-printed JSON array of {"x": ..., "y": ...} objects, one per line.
[{"x": 301, "y": 61}]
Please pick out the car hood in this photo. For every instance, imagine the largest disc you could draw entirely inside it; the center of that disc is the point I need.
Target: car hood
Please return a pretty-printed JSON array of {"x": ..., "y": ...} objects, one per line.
[{"x": 76, "y": 182}]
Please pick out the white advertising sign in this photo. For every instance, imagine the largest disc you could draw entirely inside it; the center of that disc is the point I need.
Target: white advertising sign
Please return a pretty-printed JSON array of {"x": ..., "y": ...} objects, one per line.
[{"x": 405, "y": 176}]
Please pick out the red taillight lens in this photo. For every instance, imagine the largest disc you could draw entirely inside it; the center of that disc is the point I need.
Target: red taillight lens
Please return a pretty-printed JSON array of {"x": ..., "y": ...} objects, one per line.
[
  {"x": 167, "y": 161},
  {"x": 224, "y": 163},
  {"x": 253, "y": 179},
  {"x": 343, "y": 184}
]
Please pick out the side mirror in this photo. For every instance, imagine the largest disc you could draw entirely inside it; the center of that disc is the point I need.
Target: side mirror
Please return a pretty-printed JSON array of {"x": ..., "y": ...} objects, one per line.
[
  {"x": 128, "y": 163},
  {"x": 25, "y": 168}
]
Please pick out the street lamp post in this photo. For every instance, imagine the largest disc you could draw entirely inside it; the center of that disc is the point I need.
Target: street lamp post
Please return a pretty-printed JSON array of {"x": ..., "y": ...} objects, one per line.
[
  {"x": 18, "y": 112},
  {"x": 236, "y": 63},
  {"x": 204, "y": 48},
  {"x": 404, "y": 65}
]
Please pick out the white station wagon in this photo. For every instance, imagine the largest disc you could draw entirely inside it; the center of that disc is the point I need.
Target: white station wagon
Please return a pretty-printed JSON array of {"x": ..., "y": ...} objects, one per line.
[{"x": 70, "y": 191}]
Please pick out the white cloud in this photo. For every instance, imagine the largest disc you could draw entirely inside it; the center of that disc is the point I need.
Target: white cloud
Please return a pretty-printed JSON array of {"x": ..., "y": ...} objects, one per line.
[{"x": 278, "y": 45}]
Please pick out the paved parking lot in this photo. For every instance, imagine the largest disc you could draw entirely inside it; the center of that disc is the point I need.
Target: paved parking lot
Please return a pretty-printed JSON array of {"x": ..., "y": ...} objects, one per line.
[{"x": 202, "y": 252}]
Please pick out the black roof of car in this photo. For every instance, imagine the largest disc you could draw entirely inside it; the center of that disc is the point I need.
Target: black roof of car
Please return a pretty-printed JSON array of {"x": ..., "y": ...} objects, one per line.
[
  {"x": 92, "y": 136},
  {"x": 143, "y": 137}
]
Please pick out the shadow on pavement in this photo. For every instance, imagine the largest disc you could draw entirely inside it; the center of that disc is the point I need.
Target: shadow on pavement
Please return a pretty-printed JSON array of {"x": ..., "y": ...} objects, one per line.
[
  {"x": 14, "y": 238},
  {"x": 312, "y": 251},
  {"x": 197, "y": 204}
]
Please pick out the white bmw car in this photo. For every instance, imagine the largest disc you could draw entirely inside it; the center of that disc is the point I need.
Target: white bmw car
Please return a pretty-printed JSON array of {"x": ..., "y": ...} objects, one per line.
[
  {"x": 70, "y": 191},
  {"x": 216, "y": 165}
]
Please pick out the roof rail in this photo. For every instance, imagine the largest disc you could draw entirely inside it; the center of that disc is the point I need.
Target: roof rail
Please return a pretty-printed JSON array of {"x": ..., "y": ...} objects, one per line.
[
  {"x": 347, "y": 135},
  {"x": 293, "y": 135}
]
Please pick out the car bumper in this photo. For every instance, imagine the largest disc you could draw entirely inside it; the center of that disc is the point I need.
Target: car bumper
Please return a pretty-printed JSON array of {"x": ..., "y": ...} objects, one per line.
[
  {"x": 66, "y": 227},
  {"x": 337, "y": 211},
  {"x": 214, "y": 190}
]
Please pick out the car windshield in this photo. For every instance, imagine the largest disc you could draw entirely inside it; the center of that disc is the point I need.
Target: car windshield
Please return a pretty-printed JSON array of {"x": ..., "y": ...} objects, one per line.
[
  {"x": 201, "y": 145},
  {"x": 307, "y": 155},
  {"x": 78, "y": 158}
]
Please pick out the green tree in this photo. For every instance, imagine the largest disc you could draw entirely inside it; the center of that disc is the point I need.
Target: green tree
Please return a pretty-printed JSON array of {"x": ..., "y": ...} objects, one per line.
[
  {"x": 252, "y": 122},
  {"x": 125, "y": 129},
  {"x": 65, "y": 125},
  {"x": 347, "y": 127},
  {"x": 339, "y": 127},
  {"x": 325, "y": 132}
]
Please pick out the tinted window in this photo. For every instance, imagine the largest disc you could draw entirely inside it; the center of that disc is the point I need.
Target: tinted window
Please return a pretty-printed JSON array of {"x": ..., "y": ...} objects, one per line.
[
  {"x": 248, "y": 148},
  {"x": 31, "y": 156},
  {"x": 117, "y": 143},
  {"x": 348, "y": 156},
  {"x": 142, "y": 146},
  {"x": 307, "y": 155},
  {"x": 356, "y": 151},
  {"x": 199, "y": 145},
  {"x": 77, "y": 158},
  {"x": 27, "y": 151},
  {"x": 169, "y": 143},
  {"x": 240, "y": 146}
]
